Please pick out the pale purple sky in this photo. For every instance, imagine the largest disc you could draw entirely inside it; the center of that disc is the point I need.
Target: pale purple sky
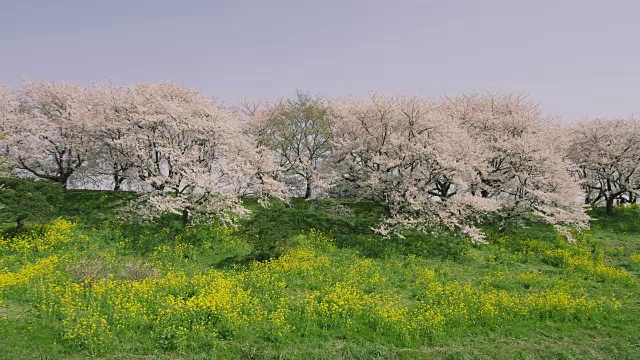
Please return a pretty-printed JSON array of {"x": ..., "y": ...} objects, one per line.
[{"x": 578, "y": 58}]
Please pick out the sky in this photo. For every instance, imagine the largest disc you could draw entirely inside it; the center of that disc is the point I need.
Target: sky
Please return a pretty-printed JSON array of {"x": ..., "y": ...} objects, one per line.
[{"x": 577, "y": 58}]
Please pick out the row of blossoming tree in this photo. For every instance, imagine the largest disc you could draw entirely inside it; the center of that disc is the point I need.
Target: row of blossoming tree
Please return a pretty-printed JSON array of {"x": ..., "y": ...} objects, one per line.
[{"x": 432, "y": 164}]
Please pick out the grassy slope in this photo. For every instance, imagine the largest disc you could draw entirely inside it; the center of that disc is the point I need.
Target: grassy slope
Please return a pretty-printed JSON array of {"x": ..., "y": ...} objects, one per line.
[{"x": 501, "y": 265}]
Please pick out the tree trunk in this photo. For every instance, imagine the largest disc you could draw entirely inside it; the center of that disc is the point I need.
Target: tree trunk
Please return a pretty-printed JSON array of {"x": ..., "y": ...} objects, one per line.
[
  {"x": 117, "y": 182},
  {"x": 609, "y": 206},
  {"x": 186, "y": 218},
  {"x": 307, "y": 192},
  {"x": 64, "y": 176},
  {"x": 20, "y": 225}
]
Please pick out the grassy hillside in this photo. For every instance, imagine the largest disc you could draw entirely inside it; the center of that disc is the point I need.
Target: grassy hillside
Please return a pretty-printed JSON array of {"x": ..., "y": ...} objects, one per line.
[{"x": 312, "y": 280}]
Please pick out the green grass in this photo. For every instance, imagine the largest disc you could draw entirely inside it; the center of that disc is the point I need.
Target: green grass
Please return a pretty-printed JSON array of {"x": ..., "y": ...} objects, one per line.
[{"x": 311, "y": 279}]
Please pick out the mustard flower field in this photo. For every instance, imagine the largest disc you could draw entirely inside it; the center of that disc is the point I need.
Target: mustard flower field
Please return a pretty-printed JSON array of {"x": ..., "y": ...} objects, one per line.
[{"x": 87, "y": 285}]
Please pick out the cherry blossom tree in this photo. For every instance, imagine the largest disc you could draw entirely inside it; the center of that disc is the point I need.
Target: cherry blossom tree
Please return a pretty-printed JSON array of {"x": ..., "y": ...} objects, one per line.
[
  {"x": 46, "y": 135},
  {"x": 192, "y": 154},
  {"x": 523, "y": 166},
  {"x": 8, "y": 106},
  {"x": 607, "y": 156},
  {"x": 111, "y": 129},
  {"x": 403, "y": 153}
]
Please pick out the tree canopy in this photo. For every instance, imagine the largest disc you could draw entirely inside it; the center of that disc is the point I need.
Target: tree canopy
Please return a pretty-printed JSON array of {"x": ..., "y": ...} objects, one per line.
[{"x": 432, "y": 163}]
